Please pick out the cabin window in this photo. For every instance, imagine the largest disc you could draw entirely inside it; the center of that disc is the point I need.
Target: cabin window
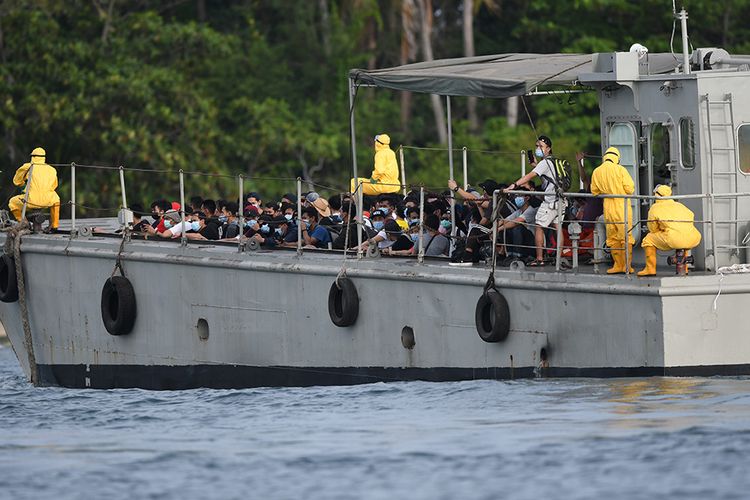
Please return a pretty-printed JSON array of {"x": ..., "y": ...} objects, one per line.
[
  {"x": 687, "y": 143},
  {"x": 743, "y": 142},
  {"x": 660, "y": 150}
]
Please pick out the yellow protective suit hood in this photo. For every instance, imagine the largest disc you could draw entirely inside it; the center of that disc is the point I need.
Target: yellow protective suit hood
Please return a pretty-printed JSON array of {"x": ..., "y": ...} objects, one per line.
[
  {"x": 663, "y": 190},
  {"x": 38, "y": 155},
  {"x": 382, "y": 141},
  {"x": 612, "y": 154}
]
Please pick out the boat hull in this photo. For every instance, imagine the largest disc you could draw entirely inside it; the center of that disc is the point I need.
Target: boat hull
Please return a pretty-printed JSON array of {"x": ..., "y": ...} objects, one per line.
[{"x": 268, "y": 323}]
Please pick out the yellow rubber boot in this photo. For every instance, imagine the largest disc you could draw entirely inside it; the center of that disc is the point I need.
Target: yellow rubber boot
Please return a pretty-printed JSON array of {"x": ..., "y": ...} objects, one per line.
[
  {"x": 54, "y": 216},
  {"x": 619, "y": 266},
  {"x": 650, "y": 269}
]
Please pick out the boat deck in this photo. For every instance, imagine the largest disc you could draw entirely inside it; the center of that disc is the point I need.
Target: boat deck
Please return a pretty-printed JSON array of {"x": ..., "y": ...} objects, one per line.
[{"x": 107, "y": 227}]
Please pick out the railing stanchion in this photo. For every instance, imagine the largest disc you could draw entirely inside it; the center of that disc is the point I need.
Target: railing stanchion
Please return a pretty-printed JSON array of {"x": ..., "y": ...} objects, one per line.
[
  {"x": 711, "y": 200},
  {"x": 465, "y": 159},
  {"x": 183, "y": 232},
  {"x": 453, "y": 225},
  {"x": 403, "y": 167},
  {"x": 626, "y": 225},
  {"x": 523, "y": 163},
  {"x": 420, "y": 255},
  {"x": 558, "y": 243},
  {"x": 122, "y": 187},
  {"x": 361, "y": 218},
  {"x": 299, "y": 216},
  {"x": 241, "y": 205},
  {"x": 495, "y": 218},
  {"x": 72, "y": 196}
]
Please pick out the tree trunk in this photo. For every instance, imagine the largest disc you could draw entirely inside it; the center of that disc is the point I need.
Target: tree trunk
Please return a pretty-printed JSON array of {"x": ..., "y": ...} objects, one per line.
[
  {"x": 468, "y": 31},
  {"x": 201, "y": 8},
  {"x": 409, "y": 28},
  {"x": 108, "y": 22},
  {"x": 511, "y": 111},
  {"x": 325, "y": 26},
  {"x": 727, "y": 18},
  {"x": 426, "y": 38},
  {"x": 10, "y": 132}
]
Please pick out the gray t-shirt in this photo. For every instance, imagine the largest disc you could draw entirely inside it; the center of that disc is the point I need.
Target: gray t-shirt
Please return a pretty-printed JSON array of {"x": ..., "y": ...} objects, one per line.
[
  {"x": 546, "y": 170},
  {"x": 528, "y": 216},
  {"x": 440, "y": 246}
]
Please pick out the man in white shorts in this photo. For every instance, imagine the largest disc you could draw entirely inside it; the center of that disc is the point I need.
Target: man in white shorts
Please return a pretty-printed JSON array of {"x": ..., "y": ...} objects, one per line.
[{"x": 546, "y": 216}]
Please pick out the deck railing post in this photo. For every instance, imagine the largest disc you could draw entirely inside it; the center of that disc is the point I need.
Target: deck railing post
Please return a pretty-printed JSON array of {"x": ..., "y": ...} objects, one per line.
[
  {"x": 627, "y": 238},
  {"x": 122, "y": 187},
  {"x": 72, "y": 196},
  {"x": 495, "y": 219},
  {"x": 523, "y": 163},
  {"x": 465, "y": 160},
  {"x": 183, "y": 232},
  {"x": 711, "y": 200},
  {"x": 453, "y": 225},
  {"x": 360, "y": 218},
  {"x": 240, "y": 204},
  {"x": 299, "y": 216},
  {"x": 403, "y": 167},
  {"x": 558, "y": 242},
  {"x": 420, "y": 255}
]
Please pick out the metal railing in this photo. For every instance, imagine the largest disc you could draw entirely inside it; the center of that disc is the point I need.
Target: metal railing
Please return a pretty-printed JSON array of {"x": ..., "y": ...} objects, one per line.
[{"x": 708, "y": 200}]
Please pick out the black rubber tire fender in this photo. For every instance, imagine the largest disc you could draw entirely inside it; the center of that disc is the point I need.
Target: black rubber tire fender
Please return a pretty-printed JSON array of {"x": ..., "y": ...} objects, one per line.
[
  {"x": 343, "y": 303},
  {"x": 118, "y": 305},
  {"x": 8, "y": 280},
  {"x": 492, "y": 316}
]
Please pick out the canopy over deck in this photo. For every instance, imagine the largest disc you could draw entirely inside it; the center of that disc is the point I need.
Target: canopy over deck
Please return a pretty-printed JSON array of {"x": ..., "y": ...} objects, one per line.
[{"x": 493, "y": 76}]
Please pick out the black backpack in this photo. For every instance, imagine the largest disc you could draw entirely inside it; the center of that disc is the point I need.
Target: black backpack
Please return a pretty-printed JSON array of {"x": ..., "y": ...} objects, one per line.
[{"x": 563, "y": 173}]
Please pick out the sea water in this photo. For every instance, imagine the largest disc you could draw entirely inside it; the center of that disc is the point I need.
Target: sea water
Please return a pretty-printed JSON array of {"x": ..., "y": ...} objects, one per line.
[{"x": 560, "y": 438}]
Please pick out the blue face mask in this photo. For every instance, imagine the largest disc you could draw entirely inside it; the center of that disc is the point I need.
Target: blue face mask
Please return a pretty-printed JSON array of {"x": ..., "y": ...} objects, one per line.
[
  {"x": 279, "y": 232},
  {"x": 519, "y": 201},
  {"x": 385, "y": 210},
  {"x": 378, "y": 225},
  {"x": 539, "y": 153},
  {"x": 414, "y": 237},
  {"x": 251, "y": 223},
  {"x": 167, "y": 223},
  {"x": 265, "y": 229},
  {"x": 574, "y": 211},
  {"x": 413, "y": 221},
  {"x": 288, "y": 216},
  {"x": 336, "y": 218},
  {"x": 222, "y": 218},
  {"x": 306, "y": 223},
  {"x": 195, "y": 225}
]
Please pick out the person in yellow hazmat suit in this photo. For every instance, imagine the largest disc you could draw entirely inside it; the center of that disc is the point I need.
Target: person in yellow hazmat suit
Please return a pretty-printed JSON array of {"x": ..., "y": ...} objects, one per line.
[
  {"x": 384, "y": 177},
  {"x": 612, "y": 178},
  {"x": 41, "y": 189},
  {"x": 670, "y": 227}
]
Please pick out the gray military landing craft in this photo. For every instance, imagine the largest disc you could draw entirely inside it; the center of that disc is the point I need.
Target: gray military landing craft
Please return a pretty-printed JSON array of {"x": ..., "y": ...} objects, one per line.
[{"x": 102, "y": 310}]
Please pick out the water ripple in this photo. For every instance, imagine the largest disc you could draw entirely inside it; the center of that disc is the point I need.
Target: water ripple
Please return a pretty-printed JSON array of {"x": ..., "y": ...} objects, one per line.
[{"x": 573, "y": 438}]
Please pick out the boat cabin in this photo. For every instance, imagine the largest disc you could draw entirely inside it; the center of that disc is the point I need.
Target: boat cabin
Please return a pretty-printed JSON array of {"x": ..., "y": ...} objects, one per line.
[{"x": 689, "y": 129}]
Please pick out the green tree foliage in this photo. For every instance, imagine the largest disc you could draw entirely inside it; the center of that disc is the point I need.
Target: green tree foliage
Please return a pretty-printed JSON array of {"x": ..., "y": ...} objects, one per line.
[{"x": 259, "y": 87}]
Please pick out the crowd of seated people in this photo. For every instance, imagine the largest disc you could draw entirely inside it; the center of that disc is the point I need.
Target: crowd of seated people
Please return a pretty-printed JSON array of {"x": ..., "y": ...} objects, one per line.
[{"x": 391, "y": 222}]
